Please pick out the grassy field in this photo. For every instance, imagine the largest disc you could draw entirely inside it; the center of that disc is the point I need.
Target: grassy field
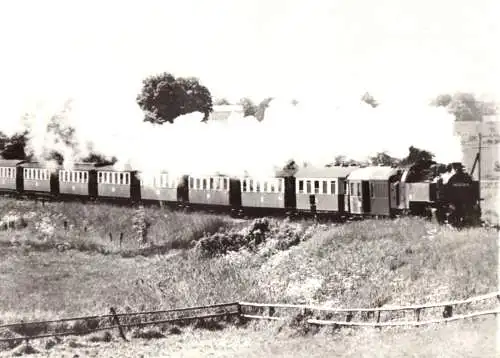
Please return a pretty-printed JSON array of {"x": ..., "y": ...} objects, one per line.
[{"x": 49, "y": 271}]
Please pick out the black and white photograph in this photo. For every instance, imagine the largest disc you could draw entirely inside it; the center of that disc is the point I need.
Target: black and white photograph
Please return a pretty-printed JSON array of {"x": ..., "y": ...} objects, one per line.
[{"x": 249, "y": 178}]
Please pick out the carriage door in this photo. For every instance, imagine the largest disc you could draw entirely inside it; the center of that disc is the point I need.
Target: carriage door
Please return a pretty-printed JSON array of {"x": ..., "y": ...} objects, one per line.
[
  {"x": 312, "y": 196},
  {"x": 365, "y": 196}
]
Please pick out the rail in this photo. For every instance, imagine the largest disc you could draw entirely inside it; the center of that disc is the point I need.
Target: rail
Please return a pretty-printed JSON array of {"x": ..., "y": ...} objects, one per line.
[
  {"x": 375, "y": 309},
  {"x": 237, "y": 309}
]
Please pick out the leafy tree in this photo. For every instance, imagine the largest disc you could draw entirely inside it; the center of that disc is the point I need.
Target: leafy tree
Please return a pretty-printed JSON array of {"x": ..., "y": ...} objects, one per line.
[
  {"x": 415, "y": 155},
  {"x": 465, "y": 106},
  {"x": 294, "y": 102},
  {"x": 99, "y": 159},
  {"x": 164, "y": 97},
  {"x": 249, "y": 108},
  {"x": 261, "y": 108},
  {"x": 369, "y": 99},
  {"x": 14, "y": 147},
  {"x": 384, "y": 159}
]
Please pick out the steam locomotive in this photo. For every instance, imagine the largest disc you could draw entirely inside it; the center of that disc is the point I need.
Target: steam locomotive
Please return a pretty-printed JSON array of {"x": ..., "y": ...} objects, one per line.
[{"x": 342, "y": 192}]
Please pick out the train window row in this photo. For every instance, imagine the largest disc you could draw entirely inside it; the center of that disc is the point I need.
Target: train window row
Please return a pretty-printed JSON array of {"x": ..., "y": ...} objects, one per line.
[
  {"x": 36, "y": 174},
  {"x": 7, "y": 172},
  {"x": 113, "y": 178},
  {"x": 209, "y": 183},
  {"x": 70, "y": 176},
  {"x": 160, "y": 181},
  {"x": 257, "y": 186},
  {"x": 317, "y": 187}
]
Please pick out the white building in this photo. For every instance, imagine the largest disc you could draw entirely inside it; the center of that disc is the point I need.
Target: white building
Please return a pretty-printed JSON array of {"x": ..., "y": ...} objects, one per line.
[{"x": 490, "y": 160}]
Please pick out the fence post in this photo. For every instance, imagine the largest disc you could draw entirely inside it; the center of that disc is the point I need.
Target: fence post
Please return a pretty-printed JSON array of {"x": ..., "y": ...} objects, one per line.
[
  {"x": 448, "y": 311},
  {"x": 117, "y": 321},
  {"x": 271, "y": 311},
  {"x": 417, "y": 314},
  {"x": 349, "y": 317}
]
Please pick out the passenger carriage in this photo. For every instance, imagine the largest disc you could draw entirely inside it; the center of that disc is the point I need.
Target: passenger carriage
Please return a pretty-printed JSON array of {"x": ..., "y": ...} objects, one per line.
[
  {"x": 163, "y": 188},
  {"x": 11, "y": 176},
  {"x": 371, "y": 192},
  {"x": 39, "y": 178},
  {"x": 214, "y": 192},
  {"x": 118, "y": 184},
  {"x": 80, "y": 181},
  {"x": 322, "y": 190},
  {"x": 263, "y": 194}
]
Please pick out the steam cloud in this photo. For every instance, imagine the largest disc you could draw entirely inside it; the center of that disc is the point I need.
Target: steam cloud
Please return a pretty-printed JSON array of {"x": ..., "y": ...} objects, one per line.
[{"x": 314, "y": 131}]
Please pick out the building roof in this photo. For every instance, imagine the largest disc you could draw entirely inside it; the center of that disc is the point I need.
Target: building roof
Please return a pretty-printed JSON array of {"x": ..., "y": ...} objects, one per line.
[{"x": 373, "y": 173}]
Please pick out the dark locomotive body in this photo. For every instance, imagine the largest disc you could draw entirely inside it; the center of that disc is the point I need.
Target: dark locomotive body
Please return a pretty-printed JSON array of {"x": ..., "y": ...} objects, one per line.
[{"x": 338, "y": 192}]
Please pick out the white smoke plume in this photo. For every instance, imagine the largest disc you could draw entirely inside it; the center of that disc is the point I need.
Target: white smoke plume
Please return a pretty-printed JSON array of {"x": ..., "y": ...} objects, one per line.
[{"x": 314, "y": 131}]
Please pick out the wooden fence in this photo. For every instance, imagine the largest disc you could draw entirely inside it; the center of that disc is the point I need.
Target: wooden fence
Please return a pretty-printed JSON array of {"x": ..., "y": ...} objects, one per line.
[
  {"x": 243, "y": 310},
  {"x": 318, "y": 311}
]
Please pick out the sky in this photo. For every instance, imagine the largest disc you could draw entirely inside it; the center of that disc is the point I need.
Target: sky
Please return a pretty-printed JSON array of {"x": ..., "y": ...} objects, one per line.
[{"x": 329, "y": 51}]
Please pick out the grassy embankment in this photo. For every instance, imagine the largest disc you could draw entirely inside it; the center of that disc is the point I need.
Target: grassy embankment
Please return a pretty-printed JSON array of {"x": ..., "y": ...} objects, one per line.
[{"x": 48, "y": 271}]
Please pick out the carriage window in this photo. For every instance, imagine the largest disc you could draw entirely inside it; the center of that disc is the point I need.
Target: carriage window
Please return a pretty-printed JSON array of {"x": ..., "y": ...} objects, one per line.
[
  {"x": 308, "y": 187},
  {"x": 301, "y": 186},
  {"x": 352, "y": 192},
  {"x": 264, "y": 186},
  {"x": 225, "y": 183},
  {"x": 120, "y": 178},
  {"x": 204, "y": 181},
  {"x": 280, "y": 186},
  {"x": 100, "y": 177},
  {"x": 257, "y": 186},
  {"x": 244, "y": 185},
  {"x": 271, "y": 188},
  {"x": 316, "y": 187},
  {"x": 325, "y": 187},
  {"x": 250, "y": 185},
  {"x": 332, "y": 187},
  {"x": 372, "y": 190},
  {"x": 359, "y": 189},
  {"x": 211, "y": 184},
  {"x": 191, "y": 183},
  {"x": 85, "y": 177}
]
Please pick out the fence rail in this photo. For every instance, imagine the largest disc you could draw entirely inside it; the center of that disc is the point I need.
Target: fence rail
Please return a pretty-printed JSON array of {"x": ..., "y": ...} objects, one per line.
[
  {"x": 236, "y": 309},
  {"x": 376, "y": 309}
]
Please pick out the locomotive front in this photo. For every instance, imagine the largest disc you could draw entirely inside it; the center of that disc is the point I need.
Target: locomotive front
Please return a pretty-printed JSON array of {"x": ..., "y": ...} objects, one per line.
[{"x": 458, "y": 199}]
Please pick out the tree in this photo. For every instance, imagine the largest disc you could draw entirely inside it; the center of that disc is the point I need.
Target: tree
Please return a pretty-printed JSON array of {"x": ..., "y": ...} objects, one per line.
[
  {"x": 415, "y": 155},
  {"x": 369, "y": 99},
  {"x": 249, "y": 108},
  {"x": 384, "y": 159},
  {"x": 99, "y": 159},
  {"x": 261, "y": 108},
  {"x": 14, "y": 147},
  {"x": 222, "y": 102},
  {"x": 465, "y": 106},
  {"x": 294, "y": 102},
  {"x": 164, "y": 97}
]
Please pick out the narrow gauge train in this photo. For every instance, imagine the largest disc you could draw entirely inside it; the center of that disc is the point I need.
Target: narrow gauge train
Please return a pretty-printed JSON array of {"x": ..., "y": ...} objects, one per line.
[{"x": 340, "y": 192}]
